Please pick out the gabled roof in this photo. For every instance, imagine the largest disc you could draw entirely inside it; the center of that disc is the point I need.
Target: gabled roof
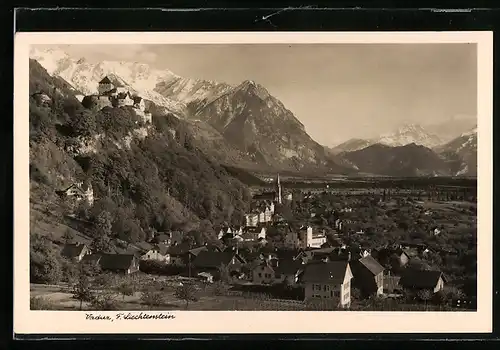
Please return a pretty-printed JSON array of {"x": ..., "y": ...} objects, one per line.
[
  {"x": 144, "y": 246},
  {"x": 196, "y": 251},
  {"x": 413, "y": 278},
  {"x": 116, "y": 261},
  {"x": 332, "y": 272},
  {"x": 371, "y": 264},
  {"x": 214, "y": 259},
  {"x": 289, "y": 266},
  {"x": 391, "y": 282},
  {"x": 180, "y": 249},
  {"x": 162, "y": 248},
  {"x": 72, "y": 250},
  {"x": 92, "y": 258},
  {"x": 163, "y": 237}
]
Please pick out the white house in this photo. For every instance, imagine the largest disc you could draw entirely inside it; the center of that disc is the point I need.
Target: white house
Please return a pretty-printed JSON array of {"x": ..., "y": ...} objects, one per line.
[{"x": 251, "y": 219}]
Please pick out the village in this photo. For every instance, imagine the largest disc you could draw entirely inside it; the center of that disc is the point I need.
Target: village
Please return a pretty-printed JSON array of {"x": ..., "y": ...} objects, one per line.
[{"x": 307, "y": 247}]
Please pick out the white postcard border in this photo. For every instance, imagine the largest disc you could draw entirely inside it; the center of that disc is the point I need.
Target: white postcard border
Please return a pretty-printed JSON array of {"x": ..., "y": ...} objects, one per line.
[{"x": 213, "y": 322}]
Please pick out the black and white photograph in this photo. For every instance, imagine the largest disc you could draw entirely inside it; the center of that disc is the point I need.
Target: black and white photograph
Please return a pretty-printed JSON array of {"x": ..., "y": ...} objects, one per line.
[{"x": 168, "y": 177}]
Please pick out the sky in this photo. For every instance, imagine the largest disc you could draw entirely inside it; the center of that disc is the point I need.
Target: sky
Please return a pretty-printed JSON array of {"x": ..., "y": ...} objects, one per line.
[{"x": 338, "y": 91}]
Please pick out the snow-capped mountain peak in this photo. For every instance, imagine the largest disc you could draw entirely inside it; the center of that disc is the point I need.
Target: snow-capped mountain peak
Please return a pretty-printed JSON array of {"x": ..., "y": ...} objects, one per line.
[
  {"x": 407, "y": 134},
  {"x": 85, "y": 75}
]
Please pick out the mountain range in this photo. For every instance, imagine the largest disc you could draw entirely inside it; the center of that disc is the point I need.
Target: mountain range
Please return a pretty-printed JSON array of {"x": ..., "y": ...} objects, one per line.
[{"x": 245, "y": 126}]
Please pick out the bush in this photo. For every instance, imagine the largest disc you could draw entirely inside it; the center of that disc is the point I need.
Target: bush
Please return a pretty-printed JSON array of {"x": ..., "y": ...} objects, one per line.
[
  {"x": 104, "y": 302},
  {"x": 45, "y": 266},
  {"x": 219, "y": 288},
  {"x": 152, "y": 297}
]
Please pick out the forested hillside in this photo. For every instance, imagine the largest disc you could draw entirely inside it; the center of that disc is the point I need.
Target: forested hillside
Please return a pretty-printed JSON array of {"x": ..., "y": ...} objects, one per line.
[{"x": 144, "y": 177}]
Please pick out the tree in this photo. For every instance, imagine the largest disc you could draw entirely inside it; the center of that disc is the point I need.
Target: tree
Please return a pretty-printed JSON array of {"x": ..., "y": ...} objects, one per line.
[
  {"x": 69, "y": 271},
  {"x": 219, "y": 288},
  {"x": 68, "y": 236},
  {"x": 224, "y": 273},
  {"x": 45, "y": 266},
  {"x": 82, "y": 290},
  {"x": 126, "y": 288},
  {"x": 152, "y": 297},
  {"x": 186, "y": 292},
  {"x": 104, "y": 222},
  {"x": 356, "y": 294},
  {"x": 100, "y": 244},
  {"x": 424, "y": 295}
]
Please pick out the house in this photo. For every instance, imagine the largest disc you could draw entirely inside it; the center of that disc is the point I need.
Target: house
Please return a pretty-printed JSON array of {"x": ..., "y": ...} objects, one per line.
[
  {"x": 91, "y": 258},
  {"x": 42, "y": 99},
  {"x": 251, "y": 219},
  {"x": 253, "y": 233},
  {"x": 79, "y": 191},
  {"x": 120, "y": 263},
  {"x": 310, "y": 239},
  {"x": 229, "y": 231},
  {"x": 212, "y": 260},
  {"x": 263, "y": 273},
  {"x": 328, "y": 280},
  {"x": 391, "y": 284},
  {"x": 394, "y": 257},
  {"x": 158, "y": 252},
  {"x": 75, "y": 251},
  {"x": 288, "y": 270},
  {"x": 163, "y": 238},
  {"x": 368, "y": 275},
  {"x": 182, "y": 254},
  {"x": 415, "y": 280},
  {"x": 436, "y": 231}
]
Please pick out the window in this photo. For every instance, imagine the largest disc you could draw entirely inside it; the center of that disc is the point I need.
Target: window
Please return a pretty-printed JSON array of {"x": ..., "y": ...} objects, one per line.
[
  {"x": 260, "y": 275},
  {"x": 324, "y": 287}
]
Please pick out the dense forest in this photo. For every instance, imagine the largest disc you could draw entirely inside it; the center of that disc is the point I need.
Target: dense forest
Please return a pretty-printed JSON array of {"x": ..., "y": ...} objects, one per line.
[{"x": 156, "y": 182}]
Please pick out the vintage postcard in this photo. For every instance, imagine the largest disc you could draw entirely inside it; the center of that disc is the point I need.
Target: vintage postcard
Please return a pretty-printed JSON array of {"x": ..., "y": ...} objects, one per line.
[{"x": 175, "y": 183}]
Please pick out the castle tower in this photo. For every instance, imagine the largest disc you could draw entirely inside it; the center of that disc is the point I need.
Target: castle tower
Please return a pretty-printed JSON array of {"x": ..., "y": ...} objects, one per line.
[{"x": 278, "y": 190}]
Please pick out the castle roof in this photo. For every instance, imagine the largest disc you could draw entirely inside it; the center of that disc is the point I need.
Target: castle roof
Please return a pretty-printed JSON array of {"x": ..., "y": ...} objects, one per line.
[{"x": 105, "y": 80}]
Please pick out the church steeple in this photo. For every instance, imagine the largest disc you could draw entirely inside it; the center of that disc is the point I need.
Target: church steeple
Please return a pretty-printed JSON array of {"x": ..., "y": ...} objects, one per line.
[{"x": 278, "y": 189}]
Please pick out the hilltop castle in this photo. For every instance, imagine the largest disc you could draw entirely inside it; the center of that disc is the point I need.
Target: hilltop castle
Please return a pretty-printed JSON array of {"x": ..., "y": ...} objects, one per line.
[{"x": 111, "y": 92}]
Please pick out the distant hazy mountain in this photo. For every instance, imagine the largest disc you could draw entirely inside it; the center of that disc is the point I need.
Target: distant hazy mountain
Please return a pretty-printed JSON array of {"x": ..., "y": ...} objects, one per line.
[
  {"x": 351, "y": 145},
  {"x": 407, "y": 160},
  {"x": 452, "y": 128},
  {"x": 464, "y": 149}
]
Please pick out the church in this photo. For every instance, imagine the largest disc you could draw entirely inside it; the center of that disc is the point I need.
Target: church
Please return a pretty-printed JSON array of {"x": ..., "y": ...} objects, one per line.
[
  {"x": 264, "y": 204},
  {"x": 275, "y": 196}
]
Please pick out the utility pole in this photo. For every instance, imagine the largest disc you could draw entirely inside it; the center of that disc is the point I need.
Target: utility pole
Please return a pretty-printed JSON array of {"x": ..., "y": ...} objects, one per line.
[{"x": 189, "y": 264}]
